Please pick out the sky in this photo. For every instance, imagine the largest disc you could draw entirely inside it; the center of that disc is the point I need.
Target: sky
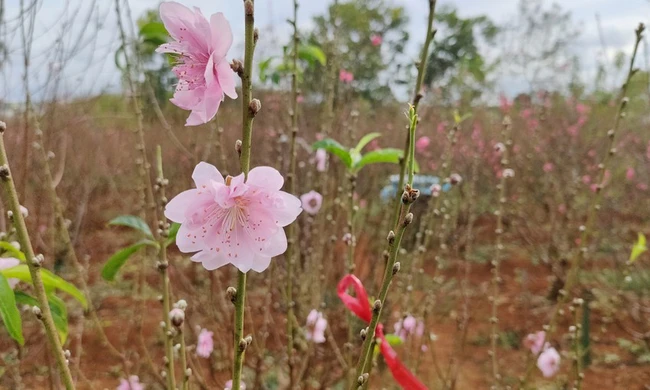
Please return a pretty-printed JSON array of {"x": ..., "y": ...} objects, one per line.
[{"x": 94, "y": 40}]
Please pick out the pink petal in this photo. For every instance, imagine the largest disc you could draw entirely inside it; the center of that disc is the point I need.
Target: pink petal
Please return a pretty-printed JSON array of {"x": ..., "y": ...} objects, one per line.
[
  {"x": 265, "y": 177},
  {"x": 188, "y": 99},
  {"x": 204, "y": 173},
  {"x": 221, "y": 35},
  {"x": 226, "y": 78},
  {"x": 275, "y": 245},
  {"x": 289, "y": 210},
  {"x": 210, "y": 259},
  {"x": 177, "y": 207},
  {"x": 261, "y": 263},
  {"x": 175, "y": 16}
]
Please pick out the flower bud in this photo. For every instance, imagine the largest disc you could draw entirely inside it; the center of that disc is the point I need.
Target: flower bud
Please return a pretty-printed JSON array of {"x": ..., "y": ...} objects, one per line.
[{"x": 177, "y": 317}]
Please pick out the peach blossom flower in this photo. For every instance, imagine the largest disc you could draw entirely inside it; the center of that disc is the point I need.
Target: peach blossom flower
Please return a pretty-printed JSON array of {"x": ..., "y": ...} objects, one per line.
[
  {"x": 376, "y": 39},
  {"x": 204, "y": 74},
  {"x": 549, "y": 362},
  {"x": 237, "y": 220},
  {"x": 407, "y": 326},
  {"x": 132, "y": 384},
  {"x": 311, "y": 202},
  {"x": 316, "y": 326},
  {"x": 321, "y": 160},
  {"x": 548, "y": 167},
  {"x": 422, "y": 144},
  {"x": 535, "y": 341},
  {"x": 205, "y": 344},
  {"x": 345, "y": 76},
  {"x": 242, "y": 385},
  {"x": 629, "y": 174}
]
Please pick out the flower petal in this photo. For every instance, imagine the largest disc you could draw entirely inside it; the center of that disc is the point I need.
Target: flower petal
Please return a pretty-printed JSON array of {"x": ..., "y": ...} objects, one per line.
[
  {"x": 289, "y": 210},
  {"x": 265, "y": 177},
  {"x": 175, "y": 16},
  {"x": 221, "y": 35},
  {"x": 226, "y": 78},
  {"x": 204, "y": 174},
  {"x": 177, "y": 207}
]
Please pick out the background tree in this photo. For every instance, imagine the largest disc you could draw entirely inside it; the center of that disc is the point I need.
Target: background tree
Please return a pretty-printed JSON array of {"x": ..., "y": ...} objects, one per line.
[
  {"x": 346, "y": 31},
  {"x": 456, "y": 60}
]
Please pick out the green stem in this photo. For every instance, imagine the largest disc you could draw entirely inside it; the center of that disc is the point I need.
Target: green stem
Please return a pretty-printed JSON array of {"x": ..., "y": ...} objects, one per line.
[
  {"x": 183, "y": 352},
  {"x": 163, "y": 267},
  {"x": 291, "y": 186},
  {"x": 249, "y": 109},
  {"x": 34, "y": 264},
  {"x": 417, "y": 96}
]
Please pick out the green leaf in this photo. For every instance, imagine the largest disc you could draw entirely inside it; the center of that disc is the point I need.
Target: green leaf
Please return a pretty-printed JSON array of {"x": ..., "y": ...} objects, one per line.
[
  {"x": 153, "y": 30},
  {"x": 394, "y": 340},
  {"x": 335, "y": 148},
  {"x": 57, "y": 308},
  {"x": 120, "y": 257},
  {"x": 9, "y": 312},
  {"x": 638, "y": 248},
  {"x": 173, "y": 232},
  {"x": 312, "y": 54},
  {"x": 133, "y": 222},
  {"x": 7, "y": 247},
  {"x": 387, "y": 155},
  {"x": 49, "y": 281},
  {"x": 365, "y": 141}
]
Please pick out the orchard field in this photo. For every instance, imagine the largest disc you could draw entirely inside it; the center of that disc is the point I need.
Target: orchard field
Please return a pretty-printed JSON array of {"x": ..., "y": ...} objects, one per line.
[{"x": 371, "y": 194}]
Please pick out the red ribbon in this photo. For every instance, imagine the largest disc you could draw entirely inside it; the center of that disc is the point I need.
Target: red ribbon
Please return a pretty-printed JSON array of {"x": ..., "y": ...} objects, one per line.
[{"x": 360, "y": 306}]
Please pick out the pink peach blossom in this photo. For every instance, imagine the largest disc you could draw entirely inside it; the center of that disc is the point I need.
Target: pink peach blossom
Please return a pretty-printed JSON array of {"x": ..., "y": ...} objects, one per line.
[
  {"x": 9, "y": 262},
  {"x": 407, "y": 326},
  {"x": 586, "y": 179},
  {"x": 629, "y": 174},
  {"x": 204, "y": 74},
  {"x": 311, "y": 202},
  {"x": 345, "y": 76},
  {"x": 321, "y": 160},
  {"x": 316, "y": 325},
  {"x": 376, "y": 39},
  {"x": 535, "y": 341},
  {"x": 242, "y": 385},
  {"x": 205, "y": 343},
  {"x": 548, "y": 167},
  {"x": 549, "y": 362},
  {"x": 132, "y": 384},
  {"x": 642, "y": 187},
  {"x": 235, "y": 221},
  {"x": 422, "y": 144}
]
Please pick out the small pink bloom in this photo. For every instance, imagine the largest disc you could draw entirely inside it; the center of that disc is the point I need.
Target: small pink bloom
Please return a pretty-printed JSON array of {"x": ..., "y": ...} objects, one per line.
[
  {"x": 376, "y": 39},
  {"x": 548, "y": 167},
  {"x": 205, "y": 344},
  {"x": 549, "y": 362},
  {"x": 582, "y": 109},
  {"x": 535, "y": 341},
  {"x": 526, "y": 113},
  {"x": 586, "y": 179},
  {"x": 407, "y": 326},
  {"x": 642, "y": 186},
  {"x": 300, "y": 99},
  {"x": 373, "y": 145},
  {"x": 311, "y": 202},
  {"x": 235, "y": 221},
  {"x": 9, "y": 262},
  {"x": 242, "y": 385},
  {"x": 321, "y": 160},
  {"x": 629, "y": 174},
  {"x": 561, "y": 208},
  {"x": 435, "y": 190},
  {"x": 422, "y": 144},
  {"x": 316, "y": 326},
  {"x": 204, "y": 74},
  {"x": 132, "y": 384},
  {"x": 345, "y": 76},
  {"x": 505, "y": 104},
  {"x": 591, "y": 153}
]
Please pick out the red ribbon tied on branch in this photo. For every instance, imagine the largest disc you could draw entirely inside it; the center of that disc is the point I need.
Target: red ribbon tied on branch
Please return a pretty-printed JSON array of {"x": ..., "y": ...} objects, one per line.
[{"x": 360, "y": 306}]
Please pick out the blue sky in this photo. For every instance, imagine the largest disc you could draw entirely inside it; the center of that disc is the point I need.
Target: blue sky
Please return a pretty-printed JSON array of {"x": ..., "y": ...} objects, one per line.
[{"x": 92, "y": 69}]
